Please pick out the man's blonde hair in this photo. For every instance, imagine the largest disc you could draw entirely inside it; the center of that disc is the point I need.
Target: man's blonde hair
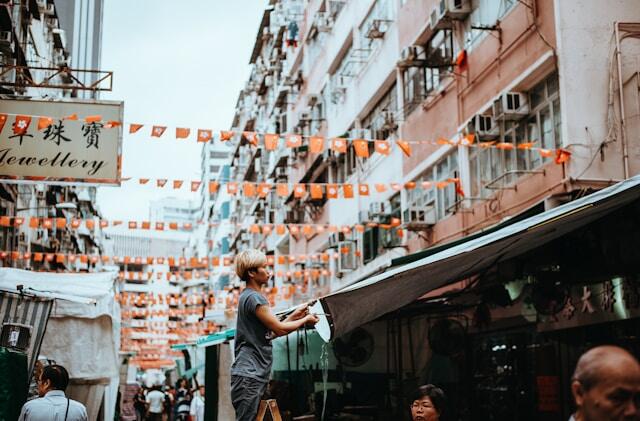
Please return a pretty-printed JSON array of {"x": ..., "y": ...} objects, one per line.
[{"x": 248, "y": 260}]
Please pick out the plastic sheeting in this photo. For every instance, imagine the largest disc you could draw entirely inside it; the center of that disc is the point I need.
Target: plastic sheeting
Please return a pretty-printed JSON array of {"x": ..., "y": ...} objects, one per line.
[{"x": 13, "y": 383}]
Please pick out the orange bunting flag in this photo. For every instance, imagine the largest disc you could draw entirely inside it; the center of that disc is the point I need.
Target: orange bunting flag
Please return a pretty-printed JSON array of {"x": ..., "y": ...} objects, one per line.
[
  {"x": 160, "y": 182},
  {"x": 93, "y": 119},
  {"x": 204, "y": 135},
  {"x": 213, "y": 187},
  {"x": 254, "y": 229},
  {"x": 308, "y": 231},
  {"x": 177, "y": 184},
  {"x": 133, "y": 225},
  {"x": 316, "y": 144},
  {"x": 146, "y": 225},
  {"x": 347, "y": 191},
  {"x": 332, "y": 191},
  {"x": 157, "y": 131},
  {"x": 34, "y": 222},
  {"x": 3, "y": 121},
  {"x": 562, "y": 156},
  {"x": 111, "y": 124},
  {"x": 359, "y": 228},
  {"x": 316, "y": 191},
  {"x": 487, "y": 144},
  {"x": 442, "y": 184},
  {"x": 458, "y": 186},
  {"x": 264, "y": 189},
  {"x": 44, "y": 122},
  {"x": 396, "y": 186},
  {"x": 249, "y": 189},
  {"x": 382, "y": 147},
  {"x": 104, "y": 224},
  {"x": 426, "y": 185},
  {"x": 294, "y": 141},
  {"x": 61, "y": 223},
  {"x": 271, "y": 141},
  {"x": 294, "y": 229},
  {"x": 504, "y": 146},
  {"x": 361, "y": 147},
  {"x": 363, "y": 189},
  {"x": 90, "y": 224},
  {"x": 73, "y": 117},
  {"x": 226, "y": 135},
  {"x": 545, "y": 153},
  {"x": 159, "y": 226},
  {"x": 410, "y": 185},
  {"x": 299, "y": 191},
  {"x": 339, "y": 145},
  {"x": 182, "y": 133},
  {"x": 232, "y": 188},
  {"x": 143, "y": 180},
  {"x": 526, "y": 145},
  {"x": 404, "y": 147},
  {"x": 21, "y": 125},
  {"x": 280, "y": 230},
  {"x": 18, "y": 221},
  {"x": 443, "y": 141},
  {"x": 195, "y": 185},
  {"x": 173, "y": 226},
  {"x": 266, "y": 229},
  {"x": 380, "y": 188},
  {"x": 282, "y": 190},
  {"x": 251, "y": 137},
  {"x": 468, "y": 139}
]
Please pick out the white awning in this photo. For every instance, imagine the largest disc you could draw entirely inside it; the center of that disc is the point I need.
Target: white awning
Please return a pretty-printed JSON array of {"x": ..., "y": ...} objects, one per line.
[{"x": 371, "y": 298}]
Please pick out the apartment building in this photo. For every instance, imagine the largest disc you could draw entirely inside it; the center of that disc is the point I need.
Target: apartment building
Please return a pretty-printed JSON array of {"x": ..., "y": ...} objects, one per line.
[
  {"x": 507, "y": 72},
  {"x": 33, "y": 47}
]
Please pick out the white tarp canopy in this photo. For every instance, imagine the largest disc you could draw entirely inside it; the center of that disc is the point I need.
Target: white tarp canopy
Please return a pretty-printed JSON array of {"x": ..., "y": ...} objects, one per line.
[
  {"x": 371, "y": 298},
  {"x": 83, "y": 333}
]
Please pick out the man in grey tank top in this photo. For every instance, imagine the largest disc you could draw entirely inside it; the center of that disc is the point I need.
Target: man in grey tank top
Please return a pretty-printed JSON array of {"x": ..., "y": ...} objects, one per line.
[{"x": 256, "y": 326}]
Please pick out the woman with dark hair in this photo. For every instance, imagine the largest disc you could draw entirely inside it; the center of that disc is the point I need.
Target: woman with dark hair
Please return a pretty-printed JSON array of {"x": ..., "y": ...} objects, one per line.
[{"x": 428, "y": 403}]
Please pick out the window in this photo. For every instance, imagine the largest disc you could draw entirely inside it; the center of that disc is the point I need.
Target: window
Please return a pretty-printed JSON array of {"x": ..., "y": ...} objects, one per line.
[
  {"x": 442, "y": 199},
  {"x": 381, "y": 121},
  {"x": 542, "y": 126},
  {"x": 375, "y": 240},
  {"x": 218, "y": 155},
  {"x": 344, "y": 165},
  {"x": 213, "y": 169},
  {"x": 485, "y": 13}
]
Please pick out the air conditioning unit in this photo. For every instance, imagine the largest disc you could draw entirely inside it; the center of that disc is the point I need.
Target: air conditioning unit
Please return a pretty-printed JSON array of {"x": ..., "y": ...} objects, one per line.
[
  {"x": 282, "y": 173},
  {"x": 305, "y": 116},
  {"x": 483, "y": 127},
  {"x": 376, "y": 30},
  {"x": 420, "y": 217},
  {"x": 347, "y": 261},
  {"x": 412, "y": 56},
  {"x": 377, "y": 209},
  {"x": 322, "y": 22},
  {"x": 388, "y": 120},
  {"x": 364, "y": 216},
  {"x": 511, "y": 106},
  {"x": 360, "y": 134},
  {"x": 266, "y": 34},
  {"x": 15, "y": 336},
  {"x": 446, "y": 11},
  {"x": 268, "y": 80},
  {"x": 40, "y": 195},
  {"x": 313, "y": 99}
]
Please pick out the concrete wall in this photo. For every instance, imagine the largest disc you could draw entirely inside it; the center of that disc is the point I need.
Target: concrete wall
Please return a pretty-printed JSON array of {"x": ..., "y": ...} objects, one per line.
[{"x": 588, "y": 84}]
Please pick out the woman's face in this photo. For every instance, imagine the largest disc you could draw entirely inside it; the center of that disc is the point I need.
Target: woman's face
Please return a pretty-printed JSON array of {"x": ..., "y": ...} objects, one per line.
[{"x": 423, "y": 410}]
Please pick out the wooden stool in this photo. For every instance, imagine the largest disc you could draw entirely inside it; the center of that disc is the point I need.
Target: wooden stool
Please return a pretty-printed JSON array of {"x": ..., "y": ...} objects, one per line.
[{"x": 272, "y": 405}]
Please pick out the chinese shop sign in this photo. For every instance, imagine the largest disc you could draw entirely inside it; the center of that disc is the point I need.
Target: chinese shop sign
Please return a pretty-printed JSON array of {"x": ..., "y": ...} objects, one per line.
[{"x": 61, "y": 141}]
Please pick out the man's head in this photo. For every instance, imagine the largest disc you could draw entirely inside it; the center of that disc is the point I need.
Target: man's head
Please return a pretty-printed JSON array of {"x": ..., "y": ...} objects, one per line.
[
  {"x": 606, "y": 385},
  {"x": 53, "y": 377},
  {"x": 201, "y": 390},
  {"x": 251, "y": 267}
]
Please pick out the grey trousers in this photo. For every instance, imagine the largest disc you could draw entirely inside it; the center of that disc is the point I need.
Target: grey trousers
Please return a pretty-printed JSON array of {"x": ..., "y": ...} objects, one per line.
[{"x": 246, "y": 393}]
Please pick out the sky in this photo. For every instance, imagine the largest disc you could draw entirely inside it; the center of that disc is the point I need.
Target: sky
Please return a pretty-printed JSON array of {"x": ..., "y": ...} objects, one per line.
[{"x": 175, "y": 63}]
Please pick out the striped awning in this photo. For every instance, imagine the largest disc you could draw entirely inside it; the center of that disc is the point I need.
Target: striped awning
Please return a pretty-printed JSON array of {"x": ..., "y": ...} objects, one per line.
[{"x": 27, "y": 310}]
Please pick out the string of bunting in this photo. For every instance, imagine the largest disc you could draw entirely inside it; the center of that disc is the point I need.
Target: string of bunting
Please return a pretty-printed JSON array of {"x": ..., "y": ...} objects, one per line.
[{"x": 272, "y": 141}]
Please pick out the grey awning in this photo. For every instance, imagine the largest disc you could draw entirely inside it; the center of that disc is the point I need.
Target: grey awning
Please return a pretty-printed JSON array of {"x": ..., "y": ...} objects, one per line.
[{"x": 371, "y": 298}]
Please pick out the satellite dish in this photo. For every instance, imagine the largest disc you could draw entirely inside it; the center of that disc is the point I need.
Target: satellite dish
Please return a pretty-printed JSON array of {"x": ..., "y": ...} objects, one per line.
[
  {"x": 354, "y": 348},
  {"x": 446, "y": 336}
]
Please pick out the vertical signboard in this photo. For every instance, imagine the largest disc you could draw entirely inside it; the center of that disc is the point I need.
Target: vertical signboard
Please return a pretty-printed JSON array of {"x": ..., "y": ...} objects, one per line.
[{"x": 61, "y": 141}]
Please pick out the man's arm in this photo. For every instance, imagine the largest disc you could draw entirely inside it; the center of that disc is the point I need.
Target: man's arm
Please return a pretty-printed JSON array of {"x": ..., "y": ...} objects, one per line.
[
  {"x": 281, "y": 328},
  {"x": 298, "y": 313}
]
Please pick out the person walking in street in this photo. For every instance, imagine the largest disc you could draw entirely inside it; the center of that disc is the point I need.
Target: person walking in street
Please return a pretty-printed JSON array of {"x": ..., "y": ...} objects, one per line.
[
  {"x": 428, "y": 404},
  {"x": 156, "y": 404},
  {"x": 197, "y": 405},
  {"x": 256, "y": 326},
  {"x": 183, "y": 401},
  {"x": 53, "y": 405},
  {"x": 140, "y": 404},
  {"x": 169, "y": 401},
  {"x": 606, "y": 385}
]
